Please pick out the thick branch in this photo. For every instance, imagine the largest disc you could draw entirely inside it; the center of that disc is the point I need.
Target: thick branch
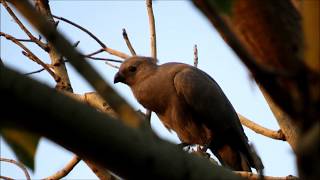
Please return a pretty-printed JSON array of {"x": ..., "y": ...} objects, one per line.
[
  {"x": 65, "y": 171},
  {"x": 32, "y": 38},
  {"x": 57, "y": 62},
  {"x": 20, "y": 165},
  {"x": 103, "y": 45},
  {"x": 31, "y": 56},
  {"x": 131, "y": 154},
  {"x": 261, "y": 130}
]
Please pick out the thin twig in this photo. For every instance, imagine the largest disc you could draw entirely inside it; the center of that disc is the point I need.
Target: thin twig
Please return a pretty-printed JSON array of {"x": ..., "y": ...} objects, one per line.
[
  {"x": 81, "y": 28},
  {"x": 103, "y": 45},
  {"x": 66, "y": 170},
  {"x": 25, "y": 40},
  {"x": 32, "y": 38},
  {"x": 5, "y": 178},
  {"x": 94, "y": 53},
  {"x": 20, "y": 165},
  {"x": 30, "y": 55},
  {"x": 153, "y": 38},
  {"x": 252, "y": 176},
  {"x": 76, "y": 44},
  {"x": 105, "y": 59},
  {"x": 195, "y": 53},
  {"x": 111, "y": 65},
  {"x": 129, "y": 45},
  {"x": 34, "y": 72},
  {"x": 262, "y": 130}
]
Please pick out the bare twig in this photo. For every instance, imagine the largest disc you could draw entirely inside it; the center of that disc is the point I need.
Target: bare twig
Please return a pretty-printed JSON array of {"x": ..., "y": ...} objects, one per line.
[
  {"x": 32, "y": 38},
  {"x": 30, "y": 55},
  {"x": 105, "y": 59},
  {"x": 252, "y": 176},
  {"x": 5, "y": 178},
  {"x": 24, "y": 40},
  {"x": 126, "y": 38},
  {"x": 66, "y": 170},
  {"x": 34, "y": 72},
  {"x": 76, "y": 44},
  {"x": 261, "y": 130},
  {"x": 195, "y": 52},
  {"x": 153, "y": 41},
  {"x": 112, "y": 65},
  {"x": 94, "y": 53},
  {"x": 20, "y": 165},
  {"x": 103, "y": 45}
]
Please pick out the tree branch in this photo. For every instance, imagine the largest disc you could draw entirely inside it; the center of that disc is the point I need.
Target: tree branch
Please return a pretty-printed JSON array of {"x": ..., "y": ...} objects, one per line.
[
  {"x": 32, "y": 38},
  {"x": 153, "y": 39},
  {"x": 261, "y": 130},
  {"x": 126, "y": 38},
  {"x": 31, "y": 56},
  {"x": 34, "y": 72},
  {"x": 5, "y": 178},
  {"x": 103, "y": 45},
  {"x": 195, "y": 53},
  {"x": 124, "y": 110},
  {"x": 252, "y": 176},
  {"x": 20, "y": 165},
  {"x": 65, "y": 171}
]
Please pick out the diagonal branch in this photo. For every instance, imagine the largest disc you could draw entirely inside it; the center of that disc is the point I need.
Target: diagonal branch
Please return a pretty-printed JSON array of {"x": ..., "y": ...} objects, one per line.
[
  {"x": 103, "y": 45},
  {"x": 65, "y": 171},
  {"x": 32, "y": 38},
  {"x": 126, "y": 38},
  {"x": 20, "y": 165},
  {"x": 262, "y": 130},
  {"x": 34, "y": 72},
  {"x": 30, "y": 55}
]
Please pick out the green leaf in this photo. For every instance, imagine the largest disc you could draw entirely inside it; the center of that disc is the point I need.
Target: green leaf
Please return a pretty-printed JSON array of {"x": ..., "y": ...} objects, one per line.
[
  {"x": 23, "y": 144},
  {"x": 224, "y": 6}
]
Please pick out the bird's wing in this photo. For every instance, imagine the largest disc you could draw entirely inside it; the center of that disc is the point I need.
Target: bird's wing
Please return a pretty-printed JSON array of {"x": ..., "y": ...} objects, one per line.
[{"x": 206, "y": 99}]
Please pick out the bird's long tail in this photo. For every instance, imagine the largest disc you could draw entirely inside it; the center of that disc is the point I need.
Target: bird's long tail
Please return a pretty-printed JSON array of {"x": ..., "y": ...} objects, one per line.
[
  {"x": 238, "y": 156},
  {"x": 232, "y": 159}
]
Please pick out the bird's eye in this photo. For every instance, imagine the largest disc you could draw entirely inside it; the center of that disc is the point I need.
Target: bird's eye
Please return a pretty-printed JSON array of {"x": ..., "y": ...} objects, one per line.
[{"x": 132, "y": 68}]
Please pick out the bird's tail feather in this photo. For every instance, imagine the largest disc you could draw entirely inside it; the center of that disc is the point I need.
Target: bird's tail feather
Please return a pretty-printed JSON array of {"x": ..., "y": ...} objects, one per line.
[{"x": 232, "y": 159}]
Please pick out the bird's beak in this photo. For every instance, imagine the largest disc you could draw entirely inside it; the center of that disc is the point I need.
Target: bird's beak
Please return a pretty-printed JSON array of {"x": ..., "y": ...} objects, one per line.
[{"x": 118, "y": 78}]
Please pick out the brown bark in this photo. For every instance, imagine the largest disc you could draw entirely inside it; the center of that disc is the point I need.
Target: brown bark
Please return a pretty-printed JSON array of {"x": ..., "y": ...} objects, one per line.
[{"x": 57, "y": 62}]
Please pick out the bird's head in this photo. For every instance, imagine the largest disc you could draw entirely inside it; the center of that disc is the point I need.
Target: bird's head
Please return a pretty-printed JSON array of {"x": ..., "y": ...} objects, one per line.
[{"x": 135, "y": 69}]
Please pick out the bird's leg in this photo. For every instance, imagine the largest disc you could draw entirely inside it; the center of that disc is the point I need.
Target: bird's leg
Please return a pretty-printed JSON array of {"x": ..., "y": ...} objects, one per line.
[
  {"x": 205, "y": 147},
  {"x": 184, "y": 145}
]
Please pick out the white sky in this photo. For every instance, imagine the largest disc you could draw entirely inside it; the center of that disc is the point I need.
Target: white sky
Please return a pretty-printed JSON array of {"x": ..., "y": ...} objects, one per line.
[{"x": 179, "y": 25}]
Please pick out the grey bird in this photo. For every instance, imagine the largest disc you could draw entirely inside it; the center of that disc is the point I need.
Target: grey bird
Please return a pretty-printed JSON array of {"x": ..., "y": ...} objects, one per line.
[{"x": 190, "y": 102}]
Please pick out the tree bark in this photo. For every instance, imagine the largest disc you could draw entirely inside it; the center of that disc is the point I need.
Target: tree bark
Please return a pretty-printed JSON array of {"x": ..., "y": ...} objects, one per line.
[{"x": 56, "y": 59}]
